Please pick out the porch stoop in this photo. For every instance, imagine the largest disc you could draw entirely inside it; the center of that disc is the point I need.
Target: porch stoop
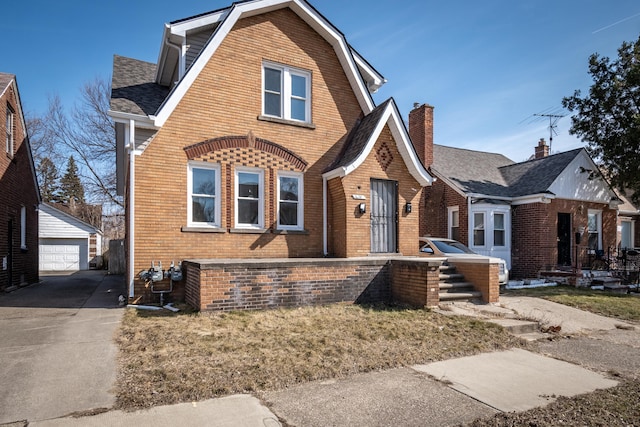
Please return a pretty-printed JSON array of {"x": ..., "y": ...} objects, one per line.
[{"x": 452, "y": 286}]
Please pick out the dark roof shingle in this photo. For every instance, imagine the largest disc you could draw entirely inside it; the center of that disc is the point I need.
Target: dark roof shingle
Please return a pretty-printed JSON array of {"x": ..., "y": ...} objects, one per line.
[{"x": 133, "y": 87}]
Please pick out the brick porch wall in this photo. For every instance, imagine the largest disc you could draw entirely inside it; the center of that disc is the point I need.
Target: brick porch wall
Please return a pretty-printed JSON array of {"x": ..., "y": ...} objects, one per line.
[
  {"x": 415, "y": 282},
  {"x": 263, "y": 284},
  {"x": 484, "y": 275}
]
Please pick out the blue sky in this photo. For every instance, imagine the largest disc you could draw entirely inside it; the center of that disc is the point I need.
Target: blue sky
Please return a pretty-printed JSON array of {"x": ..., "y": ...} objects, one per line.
[{"x": 487, "y": 67}]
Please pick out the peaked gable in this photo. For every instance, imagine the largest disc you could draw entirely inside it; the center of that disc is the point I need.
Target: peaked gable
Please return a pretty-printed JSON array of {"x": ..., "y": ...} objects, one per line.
[
  {"x": 364, "y": 137},
  {"x": 224, "y": 21}
]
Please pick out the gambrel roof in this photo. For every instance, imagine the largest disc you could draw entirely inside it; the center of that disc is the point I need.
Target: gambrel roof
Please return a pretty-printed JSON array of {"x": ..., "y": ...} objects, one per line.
[{"x": 208, "y": 30}]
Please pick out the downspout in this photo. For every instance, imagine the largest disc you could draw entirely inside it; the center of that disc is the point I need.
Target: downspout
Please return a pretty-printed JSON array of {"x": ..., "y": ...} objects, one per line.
[
  {"x": 325, "y": 250},
  {"x": 168, "y": 43},
  {"x": 132, "y": 198},
  {"x": 469, "y": 223}
]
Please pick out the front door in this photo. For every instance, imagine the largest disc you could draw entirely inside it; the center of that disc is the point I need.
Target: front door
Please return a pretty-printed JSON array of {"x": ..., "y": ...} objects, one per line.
[
  {"x": 564, "y": 239},
  {"x": 384, "y": 216}
]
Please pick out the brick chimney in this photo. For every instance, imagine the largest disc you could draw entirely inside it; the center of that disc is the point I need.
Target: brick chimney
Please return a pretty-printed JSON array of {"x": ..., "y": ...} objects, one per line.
[
  {"x": 542, "y": 150},
  {"x": 421, "y": 132}
]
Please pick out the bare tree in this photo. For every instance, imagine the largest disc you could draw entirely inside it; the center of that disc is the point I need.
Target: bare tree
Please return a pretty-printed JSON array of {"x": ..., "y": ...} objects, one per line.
[{"x": 88, "y": 133}]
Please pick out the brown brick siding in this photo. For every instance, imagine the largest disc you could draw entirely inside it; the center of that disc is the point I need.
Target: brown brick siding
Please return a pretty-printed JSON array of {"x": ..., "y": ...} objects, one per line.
[
  {"x": 415, "y": 283},
  {"x": 535, "y": 233},
  {"x": 226, "y": 100},
  {"x": 17, "y": 189},
  {"x": 434, "y": 216},
  {"x": 484, "y": 276}
]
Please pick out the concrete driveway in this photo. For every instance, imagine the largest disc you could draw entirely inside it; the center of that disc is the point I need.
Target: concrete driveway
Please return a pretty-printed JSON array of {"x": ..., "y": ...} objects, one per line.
[{"x": 57, "y": 353}]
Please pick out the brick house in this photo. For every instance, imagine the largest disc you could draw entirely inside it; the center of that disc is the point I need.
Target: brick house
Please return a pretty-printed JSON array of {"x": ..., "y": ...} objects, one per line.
[
  {"x": 255, "y": 137},
  {"x": 19, "y": 193},
  {"x": 528, "y": 213}
]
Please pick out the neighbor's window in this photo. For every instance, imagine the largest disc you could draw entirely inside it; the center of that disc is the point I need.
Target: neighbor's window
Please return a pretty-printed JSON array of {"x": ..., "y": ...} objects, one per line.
[
  {"x": 594, "y": 225},
  {"x": 286, "y": 93},
  {"x": 454, "y": 223},
  {"x": 249, "y": 198},
  {"x": 203, "y": 185},
  {"x": 23, "y": 227},
  {"x": 626, "y": 234},
  {"x": 9, "y": 147},
  {"x": 290, "y": 213},
  {"x": 498, "y": 229},
  {"x": 478, "y": 229}
]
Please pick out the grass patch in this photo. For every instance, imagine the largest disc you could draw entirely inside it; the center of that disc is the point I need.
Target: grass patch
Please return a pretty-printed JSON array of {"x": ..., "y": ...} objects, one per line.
[
  {"x": 167, "y": 359},
  {"x": 620, "y": 306}
]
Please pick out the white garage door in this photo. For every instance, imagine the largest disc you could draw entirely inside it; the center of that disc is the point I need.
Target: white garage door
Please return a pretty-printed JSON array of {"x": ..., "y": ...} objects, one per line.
[{"x": 63, "y": 255}]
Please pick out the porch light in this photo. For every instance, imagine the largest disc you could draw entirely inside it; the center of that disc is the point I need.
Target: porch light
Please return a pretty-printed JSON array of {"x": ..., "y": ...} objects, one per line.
[
  {"x": 362, "y": 208},
  {"x": 407, "y": 207}
]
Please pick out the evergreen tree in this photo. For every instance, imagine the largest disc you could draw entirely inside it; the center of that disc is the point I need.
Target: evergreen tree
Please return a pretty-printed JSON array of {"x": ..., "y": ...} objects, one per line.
[
  {"x": 71, "y": 188},
  {"x": 48, "y": 179}
]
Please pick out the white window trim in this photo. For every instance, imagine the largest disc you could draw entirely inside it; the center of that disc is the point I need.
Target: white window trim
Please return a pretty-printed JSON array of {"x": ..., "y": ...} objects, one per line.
[
  {"x": 260, "y": 173},
  {"x": 598, "y": 214},
  {"x": 23, "y": 227},
  {"x": 505, "y": 218},
  {"x": 10, "y": 141},
  {"x": 286, "y": 95},
  {"x": 217, "y": 203},
  {"x": 450, "y": 211},
  {"x": 484, "y": 228},
  {"x": 300, "y": 178},
  {"x": 632, "y": 231}
]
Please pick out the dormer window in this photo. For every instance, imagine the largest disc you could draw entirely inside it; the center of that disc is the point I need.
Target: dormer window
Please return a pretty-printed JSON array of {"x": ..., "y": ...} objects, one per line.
[{"x": 286, "y": 93}]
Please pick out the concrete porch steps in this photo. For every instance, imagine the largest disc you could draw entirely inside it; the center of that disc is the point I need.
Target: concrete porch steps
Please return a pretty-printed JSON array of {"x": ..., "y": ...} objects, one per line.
[{"x": 452, "y": 286}]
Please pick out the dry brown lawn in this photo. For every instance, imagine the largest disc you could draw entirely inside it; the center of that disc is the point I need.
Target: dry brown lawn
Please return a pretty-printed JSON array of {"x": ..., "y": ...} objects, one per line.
[{"x": 169, "y": 358}]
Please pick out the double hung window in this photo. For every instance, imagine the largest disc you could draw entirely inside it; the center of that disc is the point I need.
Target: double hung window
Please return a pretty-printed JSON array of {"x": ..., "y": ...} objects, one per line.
[
  {"x": 286, "y": 93},
  {"x": 478, "y": 229},
  {"x": 203, "y": 207},
  {"x": 290, "y": 197},
  {"x": 454, "y": 223},
  {"x": 498, "y": 230},
  {"x": 249, "y": 198},
  {"x": 594, "y": 226}
]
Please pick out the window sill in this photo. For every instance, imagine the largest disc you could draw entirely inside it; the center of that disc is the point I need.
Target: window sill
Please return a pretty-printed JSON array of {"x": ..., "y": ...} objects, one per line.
[
  {"x": 294, "y": 232},
  {"x": 202, "y": 230},
  {"x": 24, "y": 249},
  {"x": 287, "y": 122},
  {"x": 249, "y": 230}
]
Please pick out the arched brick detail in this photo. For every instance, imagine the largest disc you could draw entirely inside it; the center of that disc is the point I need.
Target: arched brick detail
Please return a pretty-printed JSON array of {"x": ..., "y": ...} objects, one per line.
[{"x": 223, "y": 142}]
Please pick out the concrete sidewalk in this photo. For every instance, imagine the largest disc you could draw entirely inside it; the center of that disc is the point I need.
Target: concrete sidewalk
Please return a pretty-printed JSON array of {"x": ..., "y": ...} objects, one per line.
[{"x": 449, "y": 392}]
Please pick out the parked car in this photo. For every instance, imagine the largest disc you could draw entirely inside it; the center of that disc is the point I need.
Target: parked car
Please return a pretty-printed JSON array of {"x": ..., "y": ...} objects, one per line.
[{"x": 449, "y": 248}]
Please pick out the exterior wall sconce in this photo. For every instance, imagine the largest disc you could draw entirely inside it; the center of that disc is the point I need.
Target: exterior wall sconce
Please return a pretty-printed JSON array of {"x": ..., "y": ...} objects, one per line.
[
  {"x": 362, "y": 208},
  {"x": 407, "y": 207}
]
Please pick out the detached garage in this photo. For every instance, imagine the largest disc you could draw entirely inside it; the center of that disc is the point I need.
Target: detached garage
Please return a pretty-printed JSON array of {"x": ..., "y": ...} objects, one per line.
[{"x": 67, "y": 243}]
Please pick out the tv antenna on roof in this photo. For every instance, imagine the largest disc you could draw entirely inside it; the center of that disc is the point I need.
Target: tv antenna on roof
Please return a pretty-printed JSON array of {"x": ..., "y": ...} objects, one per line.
[{"x": 553, "y": 124}]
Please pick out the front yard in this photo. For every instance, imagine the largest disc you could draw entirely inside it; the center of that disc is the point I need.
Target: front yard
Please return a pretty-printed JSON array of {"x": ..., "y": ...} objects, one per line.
[{"x": 170, "y": 358}]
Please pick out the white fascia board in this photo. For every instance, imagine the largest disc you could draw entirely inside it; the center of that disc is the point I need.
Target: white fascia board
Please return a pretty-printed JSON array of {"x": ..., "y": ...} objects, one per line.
[
  {"x": 183, "y": 28},
  {"x": 374, "y": 79},
  {"x": 533, "y": 198},
  {"x": 238, "y": 11},
  {"x": 141, "y": 121},
  {"x": 70, "y": 219}
]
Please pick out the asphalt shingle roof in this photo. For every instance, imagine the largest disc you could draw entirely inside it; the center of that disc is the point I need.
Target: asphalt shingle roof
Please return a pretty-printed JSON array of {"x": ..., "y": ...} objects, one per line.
[
  {"x": 5, "y": 80},
  {"x": 359, "y": 137},
  {"x": 496, "y": 175},
  {"x": 133, "y": 87}
]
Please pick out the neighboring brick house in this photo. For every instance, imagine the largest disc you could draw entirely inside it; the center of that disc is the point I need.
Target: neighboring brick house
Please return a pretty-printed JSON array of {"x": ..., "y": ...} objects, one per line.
[
  {"x": 256, "y": 136},
  {"x": 527, "y": 213},
  {"x": 19, "y": 193}
]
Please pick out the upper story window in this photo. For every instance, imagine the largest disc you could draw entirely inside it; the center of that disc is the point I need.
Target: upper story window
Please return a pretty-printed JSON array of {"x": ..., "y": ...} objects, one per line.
[
  {"x": 249, "y": 198},
  {"x": 203, "y": 207},
  {"x": 9, "y": 146},
  {"x": 290, "y": 201},
  {"x": 286, "y": 93}
]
